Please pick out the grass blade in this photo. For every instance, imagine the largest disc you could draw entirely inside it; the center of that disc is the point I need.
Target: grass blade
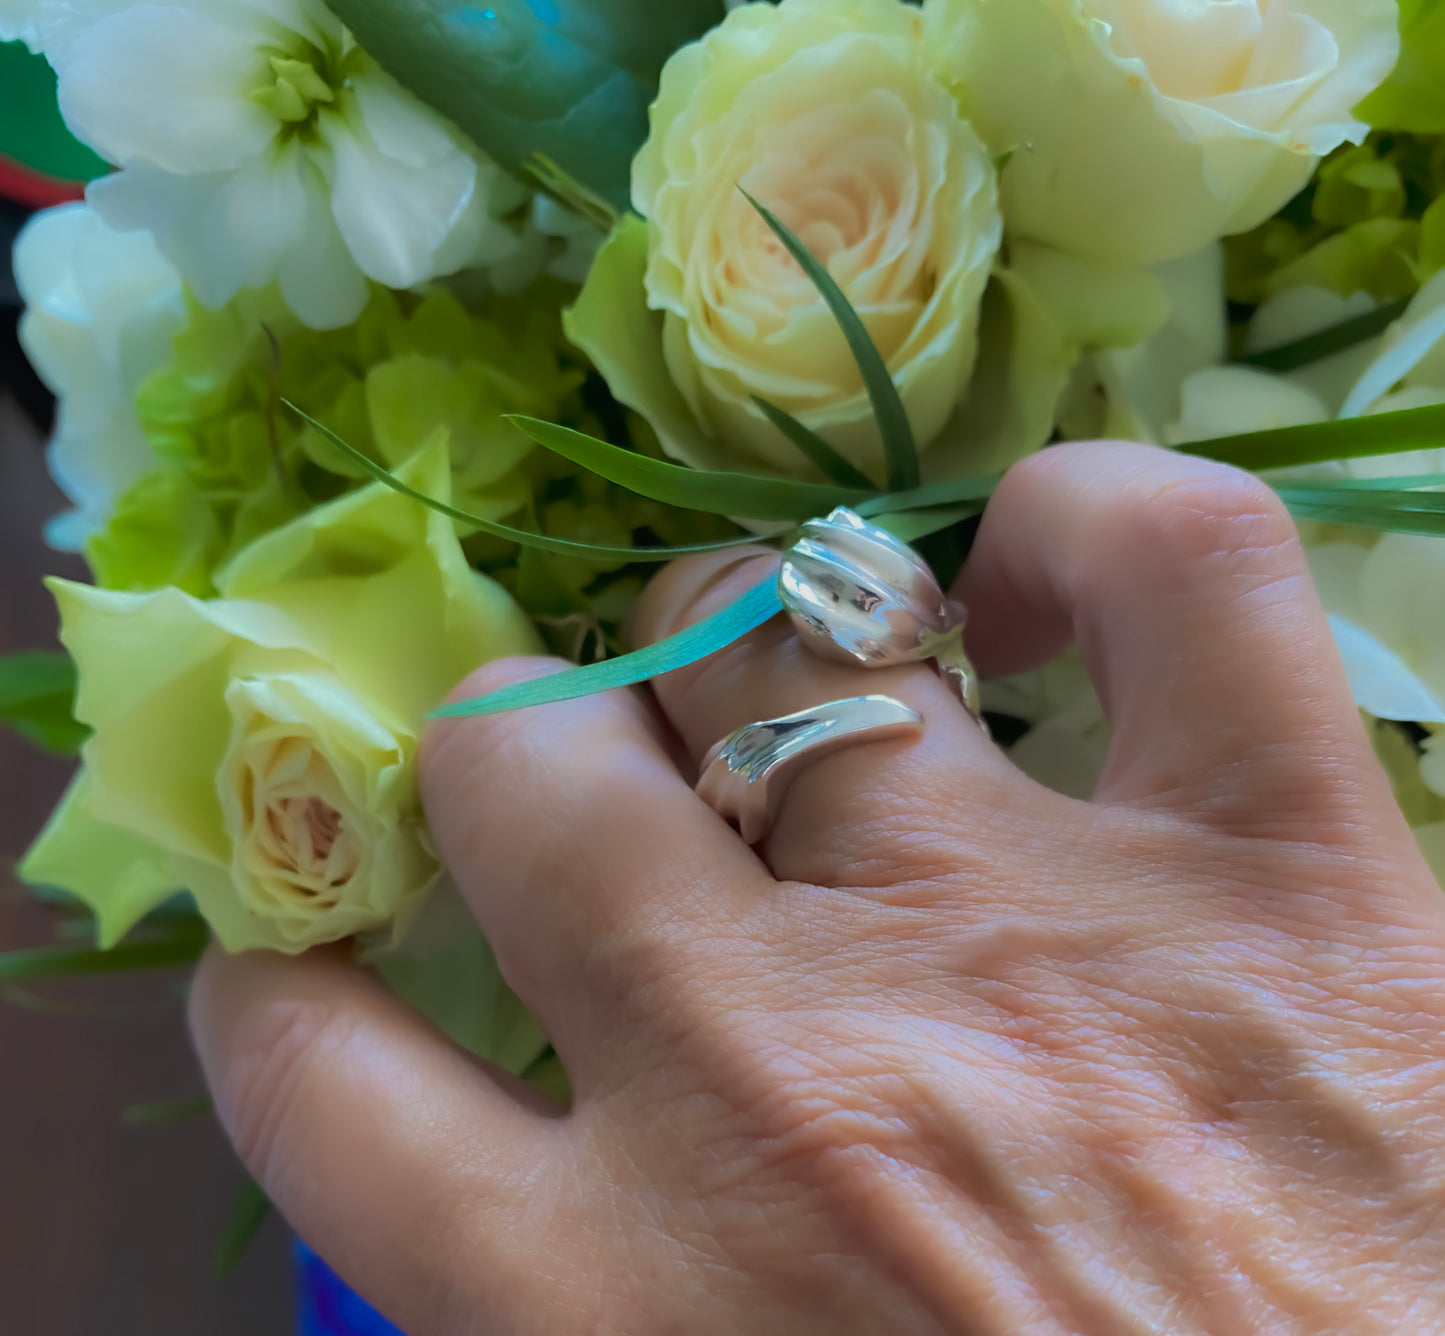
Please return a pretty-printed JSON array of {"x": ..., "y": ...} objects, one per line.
[
  {"x": 916, "y": 524},
  {"x": 893, "y": 425},
  {"x": 1322, "y": 442},
  {"x": 1327, "y": 342},
  {"x": 973, "y": 490},
  {"x": 65, "y": 961},
  {"x": 248, "y": 1213},
  {"x": 815, "y": 449},
  {"x": 754, "y": 498},
  {"x": 760, "y": 604},
  {"x": 562, "y": 547},
  {"x": 160, "y": 1113}
]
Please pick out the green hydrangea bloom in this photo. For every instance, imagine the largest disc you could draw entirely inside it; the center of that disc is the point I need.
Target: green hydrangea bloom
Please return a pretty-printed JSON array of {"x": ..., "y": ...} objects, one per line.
[
  {"x": 1369, "y": 222},
  {"x": 234, "y": 463}
]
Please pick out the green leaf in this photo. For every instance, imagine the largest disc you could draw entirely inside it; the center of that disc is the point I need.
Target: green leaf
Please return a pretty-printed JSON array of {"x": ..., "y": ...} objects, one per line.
[
  {"x": 562, "y": 547},
  {"x": 248, "y": 1213},
  {"x": 899, "y": 445},
  {"x": 37, "y": 700},
  {"x": 759, "y": 605},
  {"x": 31, "y": 131},
  {"x": 65, "y": 961},
  {"x": 161, "y": 1113},
  {"x": 1413, "y": 97},
  {"x": 1327, "y": 342},
  {"x": 1351, "y": 438},
  {"x": 754, "y": 498},
  {"x": 570, "y": 80},
  {"x": 815, "y": 449}
]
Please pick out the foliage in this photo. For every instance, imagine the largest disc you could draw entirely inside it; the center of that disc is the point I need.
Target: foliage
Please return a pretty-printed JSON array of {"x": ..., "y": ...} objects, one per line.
[{"x": 567, "y": 80}]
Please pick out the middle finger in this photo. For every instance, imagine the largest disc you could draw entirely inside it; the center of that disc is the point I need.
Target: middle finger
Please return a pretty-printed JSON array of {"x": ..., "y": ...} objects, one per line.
[{"x": 876, "y": 814}]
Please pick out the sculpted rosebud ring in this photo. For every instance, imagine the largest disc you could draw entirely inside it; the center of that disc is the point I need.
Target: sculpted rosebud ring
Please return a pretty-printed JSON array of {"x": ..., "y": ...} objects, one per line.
[{"x": 856, "y": 595}]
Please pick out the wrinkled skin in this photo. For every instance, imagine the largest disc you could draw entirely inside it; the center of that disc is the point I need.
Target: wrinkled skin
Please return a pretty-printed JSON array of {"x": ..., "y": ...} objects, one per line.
[{"x": 948, "y": 1052}]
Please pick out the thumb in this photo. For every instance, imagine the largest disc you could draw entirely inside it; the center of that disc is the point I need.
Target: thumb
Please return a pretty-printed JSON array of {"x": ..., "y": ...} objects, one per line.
[{"x": 408, "y": 1165}]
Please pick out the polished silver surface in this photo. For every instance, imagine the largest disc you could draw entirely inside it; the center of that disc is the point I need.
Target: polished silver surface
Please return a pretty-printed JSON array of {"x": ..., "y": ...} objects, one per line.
[
  {"x": 745, "y": 776},
  {"x": 858, "y": 595}
]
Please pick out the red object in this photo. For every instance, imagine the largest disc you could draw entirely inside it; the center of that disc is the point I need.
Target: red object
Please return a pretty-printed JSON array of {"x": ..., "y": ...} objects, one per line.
[{"x": 24, "y": 185}]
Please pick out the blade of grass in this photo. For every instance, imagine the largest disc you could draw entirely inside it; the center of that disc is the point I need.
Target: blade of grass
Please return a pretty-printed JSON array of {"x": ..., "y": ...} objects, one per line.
[
  {"x": 815, "y": 449},
  {"x": 1327, "y": 342},
  {"x": 916, "y": 524},
  {"x": 893, "y": 425},
  {"x": 248, "y": 1213},
  {"x": 1322, "y": 442},
  {"x": 717, "y": 493},
  {"x": 160, "y": 1113},
  {"x": 760, "y": 604},
  {"x": 562, "y": 547},
  {"x": 955, "y": 491}
]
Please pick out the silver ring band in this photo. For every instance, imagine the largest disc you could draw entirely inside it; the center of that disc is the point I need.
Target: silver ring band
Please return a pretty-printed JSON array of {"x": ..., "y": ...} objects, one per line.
[
  {"x": 855, "y": 595},
  {"x": 745, "y": 776}
]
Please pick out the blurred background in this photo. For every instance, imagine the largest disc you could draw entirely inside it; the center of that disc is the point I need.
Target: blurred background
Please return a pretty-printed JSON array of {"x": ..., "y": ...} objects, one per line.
[{"x": 107, "y": 1228}]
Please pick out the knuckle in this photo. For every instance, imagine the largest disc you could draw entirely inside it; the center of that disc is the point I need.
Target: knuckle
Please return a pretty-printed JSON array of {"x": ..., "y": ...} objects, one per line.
[
  {"x": 690, "y": 589},
  {"x": 1204, "y": 514},
  {"x": 1219, "y": 527}
]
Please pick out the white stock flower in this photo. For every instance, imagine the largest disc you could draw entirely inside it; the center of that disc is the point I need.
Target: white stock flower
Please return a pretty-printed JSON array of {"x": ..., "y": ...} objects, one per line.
[
  {"x": 101, "y": 310},
  {"x": 1385, "y": 594},
  {"x": 257, "y": 141},
  {"x": 17, "y": 22},
  {"x": 1142, "y": 129}
]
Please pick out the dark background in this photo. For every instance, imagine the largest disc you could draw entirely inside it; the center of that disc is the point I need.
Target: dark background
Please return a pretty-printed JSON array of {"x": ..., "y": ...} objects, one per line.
[{"x": 105, "y": 1229}]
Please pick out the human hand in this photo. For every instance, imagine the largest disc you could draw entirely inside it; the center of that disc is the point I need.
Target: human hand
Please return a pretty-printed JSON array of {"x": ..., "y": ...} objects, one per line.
[{"x": 949, "y": 1052}]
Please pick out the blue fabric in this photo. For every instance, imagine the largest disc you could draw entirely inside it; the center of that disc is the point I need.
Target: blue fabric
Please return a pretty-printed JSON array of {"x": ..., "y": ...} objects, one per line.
[{"x": 326, "y": 1307}]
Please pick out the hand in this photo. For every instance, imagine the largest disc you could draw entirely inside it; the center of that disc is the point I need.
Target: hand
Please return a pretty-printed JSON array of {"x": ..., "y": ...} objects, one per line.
[{"x": 949, "y": 1052}]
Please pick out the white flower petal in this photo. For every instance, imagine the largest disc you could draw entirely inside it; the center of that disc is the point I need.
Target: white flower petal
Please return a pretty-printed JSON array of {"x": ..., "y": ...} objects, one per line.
[
  {"x": 394, "y": 216},
  {"x": 318, "y": 275},
  {"x": 1225, "y": 400},
  {"x": 167, "y": 87},
  {"x": 1380, "y": 680},
  {"x": 102, "y": 310},
  {"x": 399, "y": 125},
  {"x": 1395, "y": 363}
]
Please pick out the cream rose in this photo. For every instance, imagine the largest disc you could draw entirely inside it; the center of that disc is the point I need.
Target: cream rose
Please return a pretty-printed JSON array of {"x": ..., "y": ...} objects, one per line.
[
  {"x": 258, "y": 751},
  {"x": 1141, "y": 130},
  {"x": 825, "y": 111}
]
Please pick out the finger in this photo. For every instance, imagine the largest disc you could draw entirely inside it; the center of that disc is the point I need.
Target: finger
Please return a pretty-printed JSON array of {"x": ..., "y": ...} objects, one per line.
[
  {"x": 874, "y": 814},
  {"x": 1185, "y": 586},
  {"x": 405, "y": 1163},
  {"x": 584, "y": 854}
]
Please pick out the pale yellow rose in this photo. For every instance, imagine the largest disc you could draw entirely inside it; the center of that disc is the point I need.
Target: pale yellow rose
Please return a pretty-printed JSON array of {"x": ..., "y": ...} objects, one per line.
[
  {"x": 258, "y": 751},
  {"x": 826, "y": 112},
  {"x": 1141, "y": 130}
]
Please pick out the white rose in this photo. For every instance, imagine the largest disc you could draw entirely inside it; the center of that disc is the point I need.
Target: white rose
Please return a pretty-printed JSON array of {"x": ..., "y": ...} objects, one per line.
[
  {"x": 826, "y": 112},
  {"x": 102, "y": 308},
  {"x": 1143, "y": 129},
  {"x": 257, "y": 141}
]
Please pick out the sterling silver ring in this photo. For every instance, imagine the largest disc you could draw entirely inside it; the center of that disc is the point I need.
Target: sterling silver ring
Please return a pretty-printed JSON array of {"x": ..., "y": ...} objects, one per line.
[
  {"x": 745, "y": 776},
  {"x": 855, "y": 595},
  {"x": 858, "y": 595}
]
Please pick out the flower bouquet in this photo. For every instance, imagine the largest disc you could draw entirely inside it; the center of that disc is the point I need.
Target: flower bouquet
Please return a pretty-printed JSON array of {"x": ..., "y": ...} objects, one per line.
[{"x": 402, "y": 335}]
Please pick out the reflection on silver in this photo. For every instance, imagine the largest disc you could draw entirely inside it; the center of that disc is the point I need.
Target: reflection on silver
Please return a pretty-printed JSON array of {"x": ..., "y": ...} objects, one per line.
[
  {"x": 745, "y": 776},
  {"x": 858, "y": 595}
]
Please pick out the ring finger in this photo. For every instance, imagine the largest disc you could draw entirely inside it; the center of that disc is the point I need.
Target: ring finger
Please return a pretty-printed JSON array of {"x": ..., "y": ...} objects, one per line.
[{"x": 875, "y": 814}]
